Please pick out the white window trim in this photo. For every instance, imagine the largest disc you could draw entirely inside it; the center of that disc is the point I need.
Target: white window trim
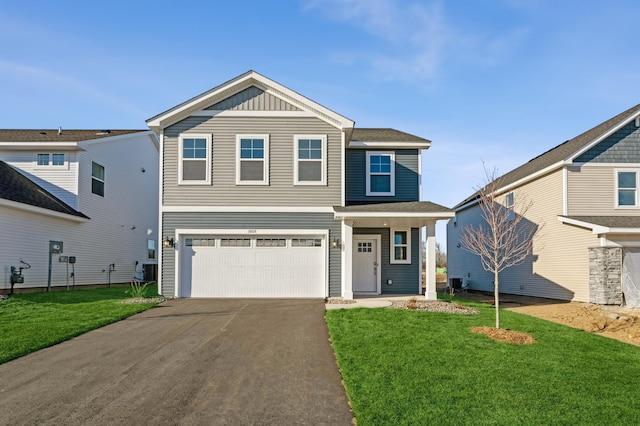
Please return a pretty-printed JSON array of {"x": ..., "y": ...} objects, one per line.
[
  {"x": 392, "y": 173},
  {"x": 104, "y": 180},
  {"x": 50, "y": 165},
  {"x": 323, "y": 160},
  {"x": 265, "y": 170},
  {"x": 615, "y": 195},
  {"x": 392, "y": 246},
  {"x": 511, "y": 206},
  {"x": 207, "y": 180}
]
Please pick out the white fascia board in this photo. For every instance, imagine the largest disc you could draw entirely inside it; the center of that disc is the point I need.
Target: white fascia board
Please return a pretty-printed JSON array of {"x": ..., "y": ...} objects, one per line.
[
  {"x": 42, "y": 211},
  {"x": 598, "y": 229},
  {"x": 398, "y": 145},
  {"x": 245, "y": 209},
  {"x": 115, "y": 138},
  {"x": 518, "y": 183},
  {"x": 600, "y": 138},
  {"x": 353, "y": 215},
  {"x": 244, "y": 113},
  {"x": 249, "y": 79},
  {"x": 35, "y": 146}
]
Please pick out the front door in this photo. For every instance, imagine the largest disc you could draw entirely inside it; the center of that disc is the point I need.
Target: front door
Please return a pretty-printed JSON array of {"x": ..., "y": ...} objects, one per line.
[{"x": 365, "y": 265}]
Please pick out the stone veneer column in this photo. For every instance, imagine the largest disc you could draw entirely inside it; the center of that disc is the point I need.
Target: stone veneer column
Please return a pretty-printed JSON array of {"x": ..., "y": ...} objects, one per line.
[{"x": 605, "y": 275}]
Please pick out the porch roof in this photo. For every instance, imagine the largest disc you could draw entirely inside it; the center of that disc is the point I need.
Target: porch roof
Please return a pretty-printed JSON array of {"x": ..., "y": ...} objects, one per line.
[
  {"x": 605, "y": 224},
  {"x": 406, "y": 214}
]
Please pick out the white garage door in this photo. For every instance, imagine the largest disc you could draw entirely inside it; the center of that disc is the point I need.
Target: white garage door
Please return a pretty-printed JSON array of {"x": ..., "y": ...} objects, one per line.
[{"x": 257, "y": 266}]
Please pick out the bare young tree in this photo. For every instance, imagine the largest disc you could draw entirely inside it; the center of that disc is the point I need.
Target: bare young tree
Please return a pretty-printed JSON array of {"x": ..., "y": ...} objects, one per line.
[{"x": 506, "y": 238}]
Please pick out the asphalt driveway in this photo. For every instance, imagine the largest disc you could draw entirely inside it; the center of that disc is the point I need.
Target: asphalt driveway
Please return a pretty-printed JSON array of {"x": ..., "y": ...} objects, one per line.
[{"x": 188, "y": 362}]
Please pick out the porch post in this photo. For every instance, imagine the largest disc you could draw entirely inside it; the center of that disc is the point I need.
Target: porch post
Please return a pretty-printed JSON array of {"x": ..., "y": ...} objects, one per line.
[
  {"x": 347, "y": 258},
  {"x": 430, "y": 293}
]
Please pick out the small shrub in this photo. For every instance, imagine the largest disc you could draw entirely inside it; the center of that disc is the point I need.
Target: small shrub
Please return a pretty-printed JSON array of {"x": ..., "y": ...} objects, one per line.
[
  {"x": 137, "y": 289},
  {"x": 411, "y": 304}
]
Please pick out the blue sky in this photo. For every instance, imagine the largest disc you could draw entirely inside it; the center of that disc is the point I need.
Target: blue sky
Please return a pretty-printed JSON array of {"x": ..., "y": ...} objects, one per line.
[{"x": 499, "y": 81}]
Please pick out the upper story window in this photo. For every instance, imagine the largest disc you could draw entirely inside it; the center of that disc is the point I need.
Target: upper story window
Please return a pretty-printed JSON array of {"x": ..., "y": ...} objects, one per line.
[
  {"x": 97, "y": 179},
  {"x": 627, "y": 188},
  {"x": 310, "y": 160},
  {"x": 380, "y": 173},
  {"x": 195, "y": 160},
  {"x": 400, "y": 246},
  {"x": 50, "y": 159},
  {"x": 252, "y": 159},
  {"x": 509, "y": 201}
]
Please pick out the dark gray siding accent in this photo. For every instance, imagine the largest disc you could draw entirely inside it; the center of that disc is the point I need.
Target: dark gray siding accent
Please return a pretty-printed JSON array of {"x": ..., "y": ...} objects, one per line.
[
  {"x": 407, "y": 185},
  {"x": 621, "y": 147},
  {"x": 224, "y": 192},
  {"x": 171, "y": 221},
  {"x": 253, "y": 99},
  {"x": 404, "y": 276}
]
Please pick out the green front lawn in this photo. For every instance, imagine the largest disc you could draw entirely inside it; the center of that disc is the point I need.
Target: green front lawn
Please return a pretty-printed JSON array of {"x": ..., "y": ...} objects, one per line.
[
  {"x": 32, "y": 321},
  {"x": 420, "y": 368}
]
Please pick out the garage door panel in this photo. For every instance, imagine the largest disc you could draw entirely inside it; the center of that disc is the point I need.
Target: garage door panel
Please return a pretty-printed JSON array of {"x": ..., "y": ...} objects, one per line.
[{"x": 267, "y": 267}]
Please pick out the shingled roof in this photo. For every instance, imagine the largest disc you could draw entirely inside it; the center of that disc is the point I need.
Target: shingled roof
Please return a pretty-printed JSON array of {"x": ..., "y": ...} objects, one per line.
[
  {"x": 51, "y": 135},
  {"x": 20, "y": 189},
  {"x": 384, "y": 135},
  {"x": 561, "y": 152}
]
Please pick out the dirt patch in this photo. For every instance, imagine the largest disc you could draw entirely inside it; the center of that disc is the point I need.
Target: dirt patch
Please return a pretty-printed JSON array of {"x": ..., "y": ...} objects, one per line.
[
  {"x": 610, "y": 321},
  {"x": 504, "y": 335}
]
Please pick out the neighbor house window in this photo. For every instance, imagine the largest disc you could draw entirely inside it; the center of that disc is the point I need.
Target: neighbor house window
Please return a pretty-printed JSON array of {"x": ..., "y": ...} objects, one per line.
[
  {"x": 195, "y": 160},
  {"x": 509, "y": 200},
  {"x": 252, "y": 159},
  {"x": 151, "y": 249},
  {"x": 309, "y": 167},
  {"x": 97, "y": 179},
  {"x": 400, "y": 246},
  {"x": 46, "y": 159},
  {"x": 380, "y": 173},
  {"x": 627, "y": 184}
]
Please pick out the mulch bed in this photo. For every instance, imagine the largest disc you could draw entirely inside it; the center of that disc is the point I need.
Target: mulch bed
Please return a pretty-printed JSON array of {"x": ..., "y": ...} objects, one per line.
[{"x": 505, "y": 335}]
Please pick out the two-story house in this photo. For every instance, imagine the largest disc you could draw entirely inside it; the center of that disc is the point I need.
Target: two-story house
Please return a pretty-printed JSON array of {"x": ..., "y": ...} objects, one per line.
[
  {"x": 78, "y": 206},
  {"x": 266, "y": 193},
  {"x": 586, "y": 203}
]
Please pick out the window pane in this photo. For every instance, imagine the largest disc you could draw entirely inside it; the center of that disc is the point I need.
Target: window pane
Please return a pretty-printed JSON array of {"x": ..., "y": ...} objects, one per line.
[
  {"x": 97, "y": 187},
  {"x": 400, "y": 237},
  {"x": 251, "y": 170},
  {"x": 627, "y": 197},
  {"x": 201, "y": 143},
  {"x": 258, "y": 144},
  {"x": 400, "y": 253},
  {"x": 316, "y": 144},
  {"x": 303, "y": 143},
  {"x": 189, "y": 143},
  {"x": 310, "y": 171},
  {"x": 58, "y": 160},
  {"x": 626, "y": 179},
  {"x": 97, "y": 171},
  {"x": 43, "y": 159},
  {"x": 245, "y": 153},
  {"x": 194, "y": 170},
  {"x": 381, "y": 183}
]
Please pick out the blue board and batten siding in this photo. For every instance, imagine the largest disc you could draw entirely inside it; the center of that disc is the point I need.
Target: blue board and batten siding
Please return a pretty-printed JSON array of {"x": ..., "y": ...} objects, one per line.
[
  {"x": 406, "y": 173},
  {"x": 208, "y": 221},
  {"x": 405, "y": 276}
]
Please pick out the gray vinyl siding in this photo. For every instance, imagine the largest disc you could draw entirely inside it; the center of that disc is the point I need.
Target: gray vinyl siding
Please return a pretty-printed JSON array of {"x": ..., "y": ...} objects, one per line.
[
  {"x": 406, "y": 177},
  {"x": 171, "y": 221},
  {"x": 404, "y": 276},
  {"x": 253, "y": 99},
  {"x": 223, "y": 190},
  {"x": 621, "y": 147}
]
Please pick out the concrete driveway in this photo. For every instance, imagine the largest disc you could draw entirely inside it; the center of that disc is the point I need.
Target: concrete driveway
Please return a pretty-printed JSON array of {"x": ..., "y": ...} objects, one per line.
[{"x": 188, "y": 362}]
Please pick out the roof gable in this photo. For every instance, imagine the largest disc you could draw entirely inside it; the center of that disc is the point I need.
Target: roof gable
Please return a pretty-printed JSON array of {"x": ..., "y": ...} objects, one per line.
[
  {"x": 253, "y": 99},
  {"x": 238, "y": 85}
]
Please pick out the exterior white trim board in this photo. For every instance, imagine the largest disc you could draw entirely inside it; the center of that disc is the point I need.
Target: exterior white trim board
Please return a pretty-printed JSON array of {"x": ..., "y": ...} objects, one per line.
[
  {"x": 245, "y": 209},
  {"x": 598, "y": 229},
  {"x": 42, "y": 211},
  {"x": 398, "y": 145},
  {"x": 249, "y": 113}
]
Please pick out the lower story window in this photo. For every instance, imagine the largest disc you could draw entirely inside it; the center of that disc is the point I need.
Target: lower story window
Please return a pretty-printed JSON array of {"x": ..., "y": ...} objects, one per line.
[{"x": 400, "y": 246}]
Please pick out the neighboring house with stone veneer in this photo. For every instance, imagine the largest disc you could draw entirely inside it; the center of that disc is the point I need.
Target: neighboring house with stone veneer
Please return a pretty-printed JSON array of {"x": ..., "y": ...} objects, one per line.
[
  {"x": 266, "y": 193},
  {"x": 586, "y": 194},
  {"x": 94, "y": 191}
]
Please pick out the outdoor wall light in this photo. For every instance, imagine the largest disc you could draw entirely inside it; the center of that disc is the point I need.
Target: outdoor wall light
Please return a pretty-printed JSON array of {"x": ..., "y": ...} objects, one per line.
[
  {"x": 169, "y": 242},
  {"x": 335, "y": 243}
]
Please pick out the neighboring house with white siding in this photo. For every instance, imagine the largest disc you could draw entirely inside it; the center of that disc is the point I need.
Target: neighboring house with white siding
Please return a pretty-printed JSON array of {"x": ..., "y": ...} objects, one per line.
[
  {"x": 94, "y": 191},
  {"x": 585, "y": 194},
  {"x": 266, "y": 193}
]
